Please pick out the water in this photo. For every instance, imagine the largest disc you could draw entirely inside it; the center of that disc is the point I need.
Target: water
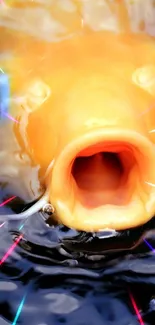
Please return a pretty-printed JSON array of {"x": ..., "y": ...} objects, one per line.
[
  {"x": 55, "y": 275},
  {"x": 55, "y": 285}
]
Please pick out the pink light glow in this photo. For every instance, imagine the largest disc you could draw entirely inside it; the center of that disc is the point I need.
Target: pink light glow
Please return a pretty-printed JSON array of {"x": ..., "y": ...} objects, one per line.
[
  {"x": 2, "y": 224},
  {"x": 136, "y": 309},
  {"x": 11, "y": 117},
  {"x": 7, "y": 201},
  {"x": 10, "y": 250}
]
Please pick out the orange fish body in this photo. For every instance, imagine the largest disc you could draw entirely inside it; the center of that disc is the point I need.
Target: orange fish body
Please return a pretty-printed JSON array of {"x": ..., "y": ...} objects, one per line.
[{"x": 89, "y": 114}]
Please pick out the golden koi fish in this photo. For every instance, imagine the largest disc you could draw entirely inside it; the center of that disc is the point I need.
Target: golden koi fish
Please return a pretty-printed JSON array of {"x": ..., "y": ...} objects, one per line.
[{"x": 88, "y": 120}]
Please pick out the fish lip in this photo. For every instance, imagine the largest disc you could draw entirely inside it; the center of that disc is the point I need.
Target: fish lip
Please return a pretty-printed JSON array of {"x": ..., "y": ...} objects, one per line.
[{"x": 62, "y": 196}]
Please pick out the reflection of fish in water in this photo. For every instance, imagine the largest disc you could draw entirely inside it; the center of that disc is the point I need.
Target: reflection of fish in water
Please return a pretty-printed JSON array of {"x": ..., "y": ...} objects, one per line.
[
  {"x": 4, "y": 95},
  {"x": 94, "y": 126}
]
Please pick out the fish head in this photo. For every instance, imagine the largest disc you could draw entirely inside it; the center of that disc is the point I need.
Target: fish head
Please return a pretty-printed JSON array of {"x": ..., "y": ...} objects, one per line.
[{"x": 92, "y": 128}]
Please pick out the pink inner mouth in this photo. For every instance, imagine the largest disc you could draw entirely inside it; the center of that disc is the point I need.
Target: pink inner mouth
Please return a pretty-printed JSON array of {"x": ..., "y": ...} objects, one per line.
[{"x": 101, "y": 175}]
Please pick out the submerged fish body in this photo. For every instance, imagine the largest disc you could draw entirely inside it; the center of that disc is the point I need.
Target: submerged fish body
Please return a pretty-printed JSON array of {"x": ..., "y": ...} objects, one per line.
[{"x": 91, "y": 115}]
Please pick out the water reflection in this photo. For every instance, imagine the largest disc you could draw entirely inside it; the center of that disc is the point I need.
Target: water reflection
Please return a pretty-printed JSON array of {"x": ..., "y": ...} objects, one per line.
[{"x": 64, "y": 289}]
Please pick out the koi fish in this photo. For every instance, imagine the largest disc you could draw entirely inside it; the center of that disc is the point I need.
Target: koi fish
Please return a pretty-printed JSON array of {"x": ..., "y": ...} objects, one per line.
[{"x": 89, "y": 122}]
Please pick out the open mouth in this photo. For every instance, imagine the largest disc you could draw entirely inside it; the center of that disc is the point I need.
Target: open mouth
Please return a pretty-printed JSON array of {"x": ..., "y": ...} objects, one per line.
[
  {"x": 99, "y": 181},
  {"x": 102, "y": 175}
]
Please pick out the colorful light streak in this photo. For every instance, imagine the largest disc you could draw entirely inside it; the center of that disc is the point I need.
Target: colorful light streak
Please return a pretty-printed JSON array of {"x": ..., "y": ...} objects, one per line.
[
  {"x": 19, "y": 311},
  {"x": 4, "y": 203},
  {"x": 10, "y": 250},
  {"x": 2, "y": 224},
  {"x": 7, "y": 201},
  {"x": 5, "y": 93},
  {"x": 149, "y": 245},
  {"x": 21, "y": 227},
  {"x": 11, "y": 118},
  {"x": 131, "y": 296},
  {"x": 136, "y": 309}
]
